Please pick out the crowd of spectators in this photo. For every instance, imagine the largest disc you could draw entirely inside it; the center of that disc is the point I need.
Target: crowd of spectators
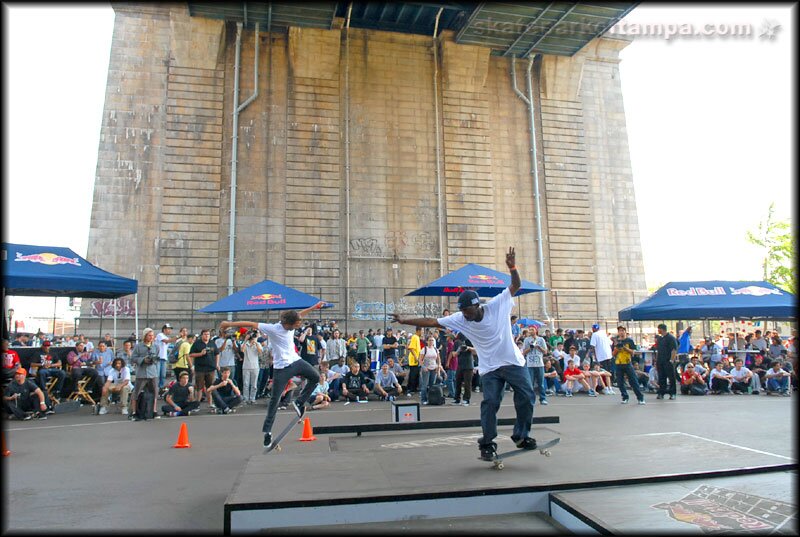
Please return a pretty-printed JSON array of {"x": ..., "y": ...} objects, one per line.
[{"x": 224, "y": 371}]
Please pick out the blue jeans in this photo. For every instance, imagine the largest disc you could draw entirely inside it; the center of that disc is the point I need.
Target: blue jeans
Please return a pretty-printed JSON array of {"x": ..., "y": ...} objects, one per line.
[
  {"x": 162, "y": 373},
  {"x": 778, "y": 385},
  {"x": 427, "y": 377},
  {"x": 263, "y": 378},
  {"x": 537, "y": 381},
  {"x": 492, "y": 384},
  {"x": 451, "y": 383},
  {"x": 624, "y": 370}
]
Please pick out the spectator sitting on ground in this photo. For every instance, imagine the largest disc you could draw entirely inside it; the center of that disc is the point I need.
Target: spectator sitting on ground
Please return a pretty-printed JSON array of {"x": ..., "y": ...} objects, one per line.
[
  {"x": 386, "y": 384},
  {"x": 319, "y": 397},
  {"x": 652, "y": 380},
  {"x": 397, "y": 369},
  {"x": 551, "y": 376},
  {"x": 777, "y": 379},
  {"x": 720, "y": 380},
  {"x": 22, "y": 396},
  {"x": 760, "y": 367},
  {"x": 354, "y": 385},
  {"x": 180, "y": 397},
  {"x": 605, "y": 377},
  {"x": 742, "y": 377},
  {"x": 369, "y": 377},
  {"x": 641, "y": 377},
  {"x": 562, "y": 356},
  {"x": 691, "y": 382},
  {"x": 225, "y": 393},
  {"x": 594, "y": 378},
  {"x": 574, "y": 379},
  {"x": 118, "y": 381},
  {"x": 333, "y": 378}
]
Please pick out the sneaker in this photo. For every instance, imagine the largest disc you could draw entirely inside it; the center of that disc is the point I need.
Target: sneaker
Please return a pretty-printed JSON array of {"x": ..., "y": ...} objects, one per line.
[
  {"x": 455, "y": 402},
  {"x": 465, "y": 403},
  {"x": 227, "y": 411},
  {"x": 672, "y": 397},
  {"x": 50, "y": 411},
  {"x": 611, "y": 391},
  {"x": 489, "y": 452},
  {"x": 424, "y": 402},
  {"x": 298, "y": 408},
  {"x": 641, "y": 402},
  {"x": 268, "y": 440},
  {"x": 40, "y": 416},
  {"x": 624, "y": 402},
  {"x": 282, "y": 407},
  {"x": 568, "y": 393},
  {"x": 408, "y": 394},
  {"x": 755, "y": 392},
  {"x": 124, "y": 411},
  {"x": 659, "y": 396},
  {"x": 543, "y": 402},
  {"x": 346, "y": 403},
  {"x": 391, "y": 398},
  {"x": 592, "y": 393},
  {"x": 103, "y": 411},
  {"x": 525, "y": 443},
  {"x": 158, "y": 417},
  {"x": 365, "y": 400},
  {"x": 27, "y": 417},
  {"x": 785, "y": 394}
]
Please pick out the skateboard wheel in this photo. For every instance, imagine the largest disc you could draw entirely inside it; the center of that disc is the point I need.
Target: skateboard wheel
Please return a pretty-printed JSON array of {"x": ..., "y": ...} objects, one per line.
[
  {"x": 278, "y": 447},
  {"x": 499, "y": 466},
  {"x": 546, "y": 453}
]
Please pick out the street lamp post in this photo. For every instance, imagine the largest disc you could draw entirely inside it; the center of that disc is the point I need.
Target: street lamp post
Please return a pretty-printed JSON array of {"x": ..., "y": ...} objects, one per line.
[{"x": 11, "y": 316}]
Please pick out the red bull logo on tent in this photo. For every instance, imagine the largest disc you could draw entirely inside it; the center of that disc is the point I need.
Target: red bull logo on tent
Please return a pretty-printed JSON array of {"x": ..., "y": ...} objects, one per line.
[
  {"x": 754, "y": 290},
  {"x": 47, "y": 258},
  {"x": 484, "y": 279},
  {"x": 266, "y": 299},
  {"x": 696, "y": 291}
]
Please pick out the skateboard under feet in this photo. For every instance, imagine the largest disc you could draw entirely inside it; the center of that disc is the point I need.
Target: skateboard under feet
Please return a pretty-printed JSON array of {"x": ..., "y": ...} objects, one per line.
[
  {"x": 544, "y": 449},
  {"x": 289, "y": 426}
]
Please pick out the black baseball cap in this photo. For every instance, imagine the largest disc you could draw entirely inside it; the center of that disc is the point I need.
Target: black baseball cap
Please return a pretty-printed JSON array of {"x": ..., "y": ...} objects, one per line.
[{"x": 467, "y": 299}]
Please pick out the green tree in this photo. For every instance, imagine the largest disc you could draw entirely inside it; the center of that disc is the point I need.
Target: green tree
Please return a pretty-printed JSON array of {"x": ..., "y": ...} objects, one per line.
[{"x": 778, "y": 242}]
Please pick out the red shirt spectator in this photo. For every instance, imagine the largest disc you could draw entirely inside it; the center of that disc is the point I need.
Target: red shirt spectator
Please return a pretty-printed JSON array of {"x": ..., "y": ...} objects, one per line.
[{"x": 10, "y": 357}]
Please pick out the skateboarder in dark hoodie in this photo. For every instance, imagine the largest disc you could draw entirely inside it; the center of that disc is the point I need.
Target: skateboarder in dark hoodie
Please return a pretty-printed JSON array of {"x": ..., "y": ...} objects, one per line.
[{"x": 501, "y": 361}]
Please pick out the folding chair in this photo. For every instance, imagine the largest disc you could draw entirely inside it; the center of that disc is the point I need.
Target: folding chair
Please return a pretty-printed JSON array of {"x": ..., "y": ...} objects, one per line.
[
  {"x": 80, "y": 391},
  {"x": 51, "y": 392}
]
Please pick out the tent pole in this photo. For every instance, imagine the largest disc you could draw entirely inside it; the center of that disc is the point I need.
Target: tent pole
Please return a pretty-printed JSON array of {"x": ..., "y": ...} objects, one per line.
[
  {"x": 115, "y": 321},
  {"x": 55, "y": 303},
  {"x": 136, "y": 313}
]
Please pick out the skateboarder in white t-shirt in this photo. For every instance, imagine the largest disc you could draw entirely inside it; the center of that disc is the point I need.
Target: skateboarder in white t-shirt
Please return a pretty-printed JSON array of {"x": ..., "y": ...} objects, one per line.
[
  {"x": 285, "y": 362},
  {"x": 501, "y": 361}
]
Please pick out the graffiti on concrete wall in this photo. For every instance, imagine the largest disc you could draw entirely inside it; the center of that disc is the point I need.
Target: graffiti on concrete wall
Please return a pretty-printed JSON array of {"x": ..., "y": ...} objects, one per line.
[
  {"x": 378, "y": 311},
  {"x": 395, "y": 242},
  {"x": 105, "y": 308}
]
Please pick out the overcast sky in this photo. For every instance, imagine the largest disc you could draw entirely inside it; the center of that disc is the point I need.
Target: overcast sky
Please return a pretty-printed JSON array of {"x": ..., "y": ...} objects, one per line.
[{"x": 709, "y": 126}]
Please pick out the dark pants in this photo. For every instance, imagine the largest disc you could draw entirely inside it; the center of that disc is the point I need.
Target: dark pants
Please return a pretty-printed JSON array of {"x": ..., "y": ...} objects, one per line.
[
  {"x": 44, "y": 374},
  {"x": 281, "y": 379},
  {"x": 463, "y": 380},
  {"x": 666, "y": 377},
  {"x": 222, "y": 403},
  {"x": 185, "y": 407},
  {"x": 22, "y": 405},
  {"x": 335, "y": 389},
  {"x": 390, "y": 390},
  {"x": 237, "y": 372},
  {"x": 264, "y": 375},
  {"x": 413, "y": 378},
  {"x": 351, "y": 396},
  {"x": 741, "y": 386},
  {"x": 79, "y": 372},
  {"x": 626, "y": 370},
  {"x": 492, "y": 384},
  {"x": 720, "y": 384}
]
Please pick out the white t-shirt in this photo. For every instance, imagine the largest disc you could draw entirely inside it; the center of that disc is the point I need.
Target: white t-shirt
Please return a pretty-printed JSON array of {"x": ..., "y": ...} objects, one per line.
[
  {"x": 250, "y": 355},
  {"x": 491, "y": 337},
  {"x": 602, "y": 345},
  {"x": 740, "y": 374},
  {"x": 161, "y": 345},
  {"x": 226, "y": 355},
  {"x": 116, "y": 377},
  {"x": 283, "y": 353}
]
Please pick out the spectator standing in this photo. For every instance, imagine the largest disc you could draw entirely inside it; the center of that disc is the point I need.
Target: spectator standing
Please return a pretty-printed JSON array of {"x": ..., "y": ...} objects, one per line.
[
  {"x": 414, "y": 347},
  {"x": 430, "y": 367},
  {"x": 251, "y": 349},
  {"x": 666, "y": 355},
  {"x": 337, "y": 347},
  {"x": 362, "y": 350},
  {"x": 145, "y": 357},
  {"x": 226, "y": 351},
  {"x": 163, "y": 339},
  {"x": 184, "y": 362},
  {"x": 582, "y": 344},
  {"x": 623, "y": 353},
  {"x": 377, "y": 341},
  {"x": 556, "y": 338},
  {"x": 206, "y": 364},
  {"x": 390, "y": 345},
  {"x": 600, "y": 348},
  {"x": 533, "y": 348}
]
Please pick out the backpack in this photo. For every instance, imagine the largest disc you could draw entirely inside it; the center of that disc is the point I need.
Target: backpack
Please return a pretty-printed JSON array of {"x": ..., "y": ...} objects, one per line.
[
  {"x": 435, "y": 395},
  {"x": 144, "y": 405},
  {"x": 173, "y": 354}
]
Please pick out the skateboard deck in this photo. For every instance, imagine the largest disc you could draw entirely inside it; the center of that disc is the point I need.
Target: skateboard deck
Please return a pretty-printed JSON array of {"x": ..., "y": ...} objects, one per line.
[
  {"x": 544, "y": 449},
  {"x": 289, "y": 426}
]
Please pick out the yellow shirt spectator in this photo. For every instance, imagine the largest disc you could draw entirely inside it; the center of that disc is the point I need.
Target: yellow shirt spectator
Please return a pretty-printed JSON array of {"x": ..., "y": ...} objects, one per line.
[
  {"x": 183, "y": 355},
  {"x": 413, "y": 350}
]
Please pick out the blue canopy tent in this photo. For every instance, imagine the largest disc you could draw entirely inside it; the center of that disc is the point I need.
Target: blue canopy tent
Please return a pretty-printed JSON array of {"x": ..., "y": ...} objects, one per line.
[
  {"x": 485, "y": 281},
  {"x": 30, "y": 270},
  {"x": 716, "y": 299},
  {"x": 530, "y": 322},
  {"x": 266, "y": 295}
]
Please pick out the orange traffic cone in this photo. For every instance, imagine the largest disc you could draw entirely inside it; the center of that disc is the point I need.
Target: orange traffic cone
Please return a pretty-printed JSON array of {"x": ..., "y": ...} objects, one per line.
[
  {"x": 183, "y": 437},
  {"x": 6, "y": 452},
  {"x": 308, "y": 434}
]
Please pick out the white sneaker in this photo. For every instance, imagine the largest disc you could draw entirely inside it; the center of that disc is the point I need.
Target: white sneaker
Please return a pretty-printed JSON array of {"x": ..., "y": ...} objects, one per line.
[
  {"x": 592, "y": 393},
  {"x": 103, "y": 411},
  {"x": 363, "y": 401},
  {"x": 642, "y": 402},
  {"x": 346, "y": 403},
  {"x": 124, "y": 411}
]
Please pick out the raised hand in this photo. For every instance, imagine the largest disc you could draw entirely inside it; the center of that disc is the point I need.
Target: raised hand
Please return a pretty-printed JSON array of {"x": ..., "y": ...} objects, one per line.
[{"x": 511, "y": 258}]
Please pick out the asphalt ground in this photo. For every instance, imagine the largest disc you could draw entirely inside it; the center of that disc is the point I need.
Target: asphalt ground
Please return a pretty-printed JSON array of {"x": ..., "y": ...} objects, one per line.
[{"x": 83, "y": 472}]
